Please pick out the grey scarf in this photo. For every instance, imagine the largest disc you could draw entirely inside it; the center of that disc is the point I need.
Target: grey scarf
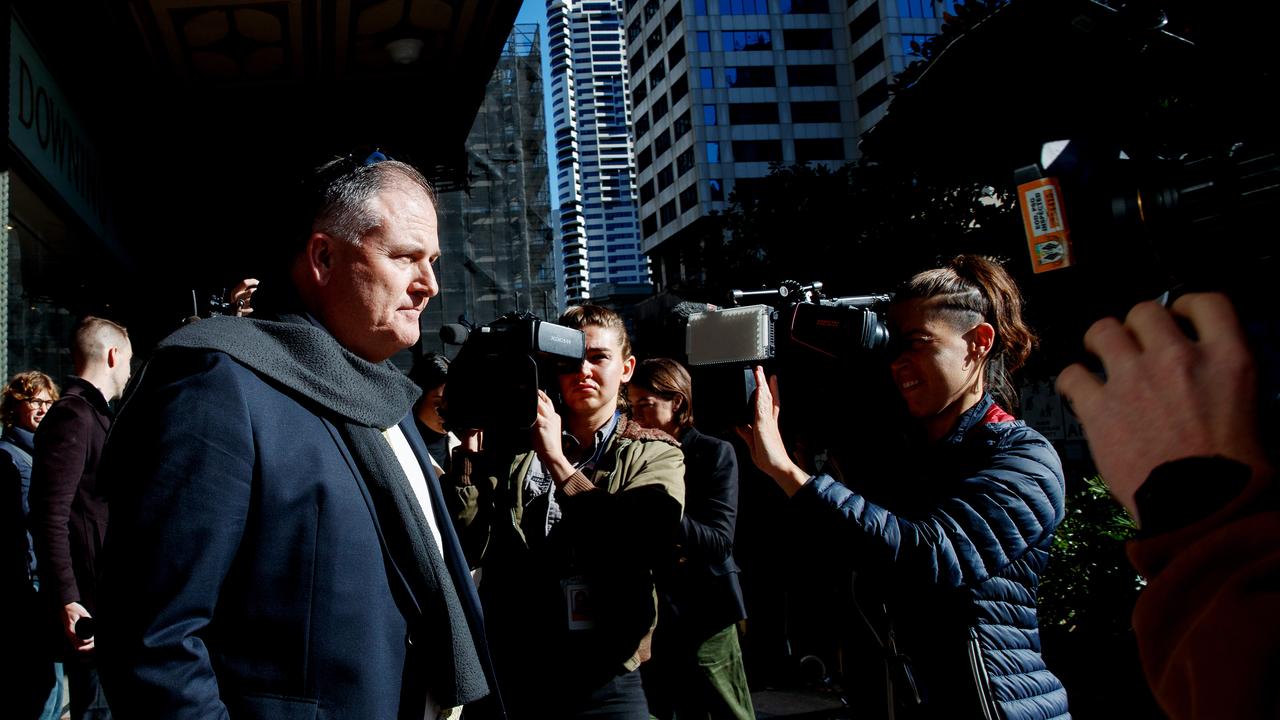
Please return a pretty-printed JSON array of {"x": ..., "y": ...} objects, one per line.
[{"x": 363, "y": 399}]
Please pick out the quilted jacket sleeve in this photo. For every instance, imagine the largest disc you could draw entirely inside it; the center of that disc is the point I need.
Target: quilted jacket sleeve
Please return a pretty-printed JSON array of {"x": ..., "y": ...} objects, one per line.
[{"x": 989, "y": 521}]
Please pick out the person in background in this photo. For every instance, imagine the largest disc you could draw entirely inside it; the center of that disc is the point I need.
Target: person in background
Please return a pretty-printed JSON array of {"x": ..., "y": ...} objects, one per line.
[
  {"x": 429, "y": 374},
  {"x": 958, "y": 550},
  {"x": 69, "y": 505},
  {"x": 38, "y": 676},
  {"x": 1174, "y": 431},
  {"x": 696, "y": 670}
]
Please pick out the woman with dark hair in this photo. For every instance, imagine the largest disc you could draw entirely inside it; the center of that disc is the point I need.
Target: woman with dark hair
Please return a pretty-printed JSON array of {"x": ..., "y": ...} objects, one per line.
[
  {"x": 960, "y": 551},
  {"x": 696, "y": 670}
]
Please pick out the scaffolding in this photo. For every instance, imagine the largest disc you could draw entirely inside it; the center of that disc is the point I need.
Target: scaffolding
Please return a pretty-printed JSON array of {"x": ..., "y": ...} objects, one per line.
[{"x": 497, "y": 241}]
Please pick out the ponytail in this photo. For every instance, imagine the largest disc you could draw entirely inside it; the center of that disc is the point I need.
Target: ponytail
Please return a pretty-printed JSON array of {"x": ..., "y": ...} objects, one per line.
[{"x": 976, "y": 289}]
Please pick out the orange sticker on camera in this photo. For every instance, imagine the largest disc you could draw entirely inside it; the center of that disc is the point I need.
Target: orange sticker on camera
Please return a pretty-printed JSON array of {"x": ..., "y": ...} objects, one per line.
[{"x": 1048, "y": 238}]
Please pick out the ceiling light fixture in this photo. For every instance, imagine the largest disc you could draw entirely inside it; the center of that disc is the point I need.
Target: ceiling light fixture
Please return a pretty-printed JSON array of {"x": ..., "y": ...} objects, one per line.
[{"x": 405, "y": 51}]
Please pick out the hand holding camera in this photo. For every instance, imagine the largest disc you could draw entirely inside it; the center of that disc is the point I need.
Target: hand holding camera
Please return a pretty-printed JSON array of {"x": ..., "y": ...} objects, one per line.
[{"x": 1166, "y": 396}]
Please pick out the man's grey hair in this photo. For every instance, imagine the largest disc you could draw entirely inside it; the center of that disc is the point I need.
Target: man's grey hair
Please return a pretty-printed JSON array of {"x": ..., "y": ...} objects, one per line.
[{"x": 345, "y": 211}]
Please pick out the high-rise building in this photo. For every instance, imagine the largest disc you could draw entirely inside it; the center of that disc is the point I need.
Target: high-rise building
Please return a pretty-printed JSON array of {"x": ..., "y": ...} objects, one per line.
[
  {"x": 497, "y": 242},
  {"x": 721, "y": 89},
  {"x": 598, "y": 227}
]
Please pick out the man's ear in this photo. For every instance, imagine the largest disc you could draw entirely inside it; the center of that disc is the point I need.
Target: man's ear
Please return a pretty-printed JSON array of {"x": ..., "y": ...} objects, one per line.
[
  {"x": 319, "y": 258},
  {"x": 628, "y": 367},
  {"x": 113, "y": 356}
]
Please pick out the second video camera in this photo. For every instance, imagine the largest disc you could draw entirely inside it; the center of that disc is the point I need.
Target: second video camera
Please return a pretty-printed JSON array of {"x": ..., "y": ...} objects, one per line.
[
  {"x": 494, "y": 380},
  {"x": 803, "y": 336}
]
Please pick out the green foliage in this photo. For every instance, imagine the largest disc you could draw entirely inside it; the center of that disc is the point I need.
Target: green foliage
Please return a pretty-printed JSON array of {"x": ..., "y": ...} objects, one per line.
[
  {"x": 967, "y": 14},
  {"x": 859, "y": 226},
  {"x": 1089, "y": 585}
]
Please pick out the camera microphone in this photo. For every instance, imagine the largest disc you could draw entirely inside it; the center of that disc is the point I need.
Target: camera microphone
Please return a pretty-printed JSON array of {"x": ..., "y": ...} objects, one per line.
[
  {"x": 85, "y": 627},
  {"x": 454, "y": 333}
]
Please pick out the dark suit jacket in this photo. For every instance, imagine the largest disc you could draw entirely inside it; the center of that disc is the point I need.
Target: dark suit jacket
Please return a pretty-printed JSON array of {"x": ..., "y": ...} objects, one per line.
[
  {"x": 702, "y": 594},
  {"x": 68, "y": 508},
  {"x": 245, "y": 570}
]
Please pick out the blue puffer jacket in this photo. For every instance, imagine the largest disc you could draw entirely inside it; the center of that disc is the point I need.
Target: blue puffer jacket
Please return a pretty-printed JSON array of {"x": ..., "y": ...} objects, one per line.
[{"x": 958, "y": 562}]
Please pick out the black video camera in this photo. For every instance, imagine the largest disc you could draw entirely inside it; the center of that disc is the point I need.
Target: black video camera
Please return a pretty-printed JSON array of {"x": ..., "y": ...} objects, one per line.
[
  {"x": 810, "y": 341},
  {"x": 494, "y": 380}
]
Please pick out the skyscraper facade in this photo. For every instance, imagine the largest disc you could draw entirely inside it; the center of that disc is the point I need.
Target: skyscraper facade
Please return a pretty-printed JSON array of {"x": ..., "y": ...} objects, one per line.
[
  {"x": 595, "y": 183},
  {"x": 722, "y": 89}
]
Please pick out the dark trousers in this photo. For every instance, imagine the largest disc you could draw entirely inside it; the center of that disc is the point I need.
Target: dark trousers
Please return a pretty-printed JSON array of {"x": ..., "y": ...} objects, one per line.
[
  {"x": 622, "y": 698},
  {"x": 87, "y": 700}
]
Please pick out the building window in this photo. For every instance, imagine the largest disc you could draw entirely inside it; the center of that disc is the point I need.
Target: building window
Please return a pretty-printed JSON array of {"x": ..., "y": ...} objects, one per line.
[
  {"x": 713, "y": 152},
  {"x": 821, "y": 149},
  {"x": 913, "y": 44},
  {"x": 683, "y": 124},
  {"x": 668, "y": 212},
  {"x": 684, "y": 162},
  {"x": 673, "y": 18},
  {"x": 676, "y": 54},
  {"x": 699, "y": 7},
  {"x": 804, "y": 7},
  {"x": 640, "y": 92},
  {"x": 744, "y": 7},
  {"x": 757, "y": 150},
  {"x": 715, "y": 190},
  {"x": 873, "y": 97},
  {"x": 679, "y": 88},
  {"x": 662, "y": 142},
  {"x": 749, "y": 76},
  {"x": 868, "y": 59},
  {"x": 650, "y": 225},
  {"x": 747, "y": 40},
  {"x": 657, "y": 74},
  {"x": 659, "y": 108},
  {"x": 689, "y": 198},
  {"x": 811, "y": 75},
  {"x": 708, "y": 115},
  {"x": 665, "y": 178},
  {"x": 753, "y": 114},
  {"x": 633, "y": 30},
  {"x": 646, "y": 192},
  {"x": 915, "y": 8},
  {"x": 704, "y": 41},
  {"x": 637, "y": 61},
  {"x": 866, "y": 21},
  {"x": 651, "y": 8},
  {"x": 706, "y": 78},
  {"x": 815, "y": 112},
  {"x": 642, "y": 125},
  {"x": 807, "y": 39},
  {"x": 654, "y": 43},
  {"x": 644, "y": 159}
]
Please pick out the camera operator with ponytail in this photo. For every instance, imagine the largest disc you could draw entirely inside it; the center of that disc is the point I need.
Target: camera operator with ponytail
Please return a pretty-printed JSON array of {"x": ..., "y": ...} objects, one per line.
[{"x": 960, "y": 548}]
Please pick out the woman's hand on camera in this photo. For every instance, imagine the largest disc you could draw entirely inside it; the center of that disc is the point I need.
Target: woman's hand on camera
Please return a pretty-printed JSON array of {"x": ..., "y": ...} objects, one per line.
[
  {"x": 547, "y": 439},
  {"x": 765, "y": 440}
]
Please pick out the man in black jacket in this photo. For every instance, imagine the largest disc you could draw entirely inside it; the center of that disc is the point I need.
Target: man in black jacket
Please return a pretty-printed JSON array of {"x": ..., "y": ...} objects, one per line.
[{"x": 68, "y": 510}]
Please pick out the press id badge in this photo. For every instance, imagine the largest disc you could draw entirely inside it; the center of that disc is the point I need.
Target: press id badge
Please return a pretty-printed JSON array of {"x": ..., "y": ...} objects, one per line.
[{"x": 577, "y": 602}]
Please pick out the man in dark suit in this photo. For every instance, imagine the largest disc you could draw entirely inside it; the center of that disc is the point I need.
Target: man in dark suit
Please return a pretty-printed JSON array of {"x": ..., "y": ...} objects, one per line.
[
  {"x": 279, "y": 544},
  {"x": 68, "y": 509}
]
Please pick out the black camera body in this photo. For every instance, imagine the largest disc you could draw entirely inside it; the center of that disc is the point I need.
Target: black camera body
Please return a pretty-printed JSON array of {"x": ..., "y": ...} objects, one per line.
[
  {"x": 494, "y": 380},
  {"x": 811, "y": 342}
]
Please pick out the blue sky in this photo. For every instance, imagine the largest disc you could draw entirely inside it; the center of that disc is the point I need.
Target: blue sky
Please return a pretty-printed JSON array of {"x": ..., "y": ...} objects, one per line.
[{"x": 533, "y": 11}]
